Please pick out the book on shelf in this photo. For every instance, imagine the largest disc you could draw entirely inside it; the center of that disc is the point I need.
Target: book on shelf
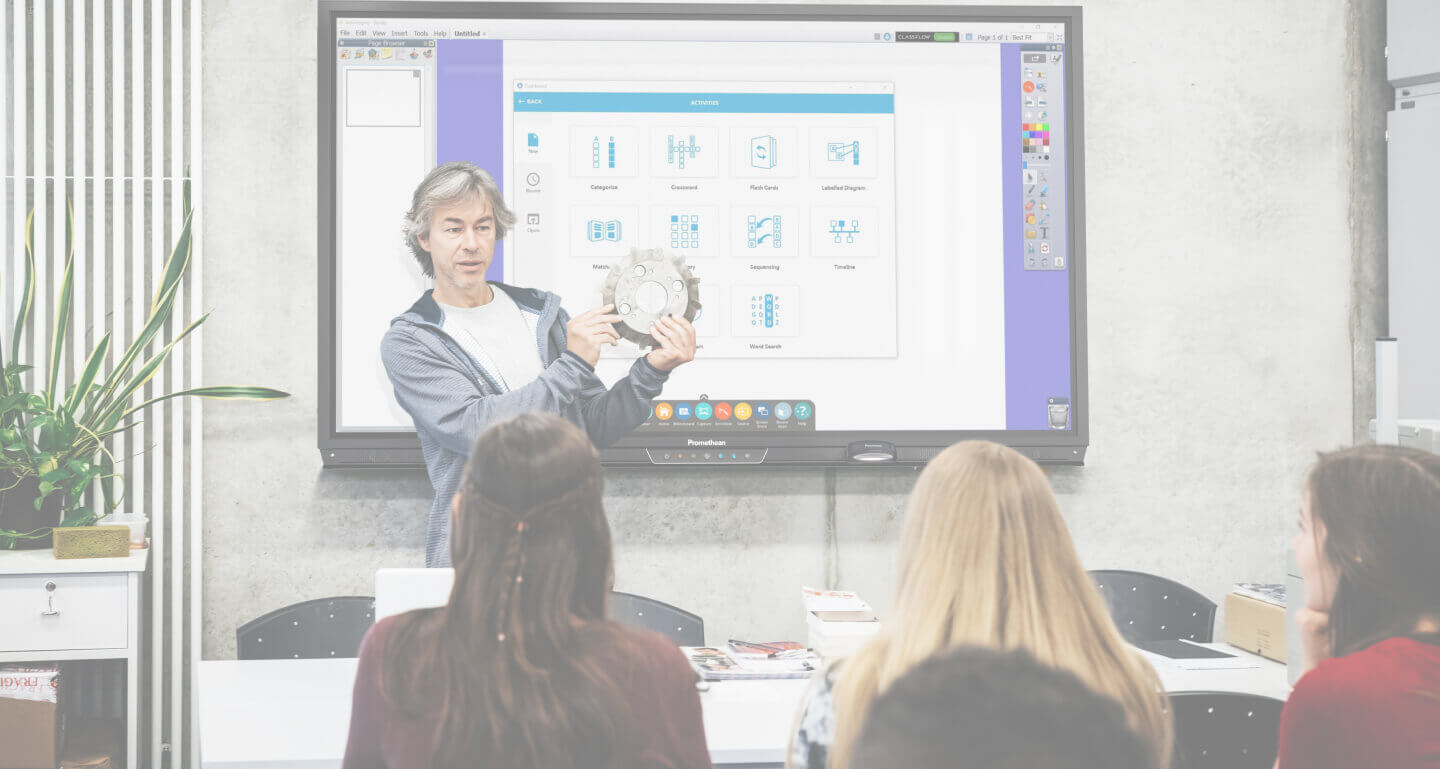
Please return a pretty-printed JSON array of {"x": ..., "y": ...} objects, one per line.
[
  {"x": 836, "y": 605},
  {"x": 715, "y": 664}
]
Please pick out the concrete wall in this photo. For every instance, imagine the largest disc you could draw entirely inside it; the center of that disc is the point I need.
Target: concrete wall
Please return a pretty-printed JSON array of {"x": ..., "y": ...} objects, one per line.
[{"x": 1235, "y": 197}]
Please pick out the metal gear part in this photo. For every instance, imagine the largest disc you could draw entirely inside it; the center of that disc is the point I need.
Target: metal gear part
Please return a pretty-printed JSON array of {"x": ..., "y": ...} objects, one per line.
[{"x": 646, "y": 285}]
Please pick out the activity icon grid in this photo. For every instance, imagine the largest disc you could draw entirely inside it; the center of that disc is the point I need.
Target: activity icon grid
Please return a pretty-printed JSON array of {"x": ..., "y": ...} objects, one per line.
[
  {"x": 677, "y": 150},
  {"x": 684, "y": 231},
  {"x": 759, "y": 230},
  {"x": 844, "y": 228},
  {"x": 596, "y": 155},
  {"x": 597, "y": 230},
  {"x": 763, "y": 152},
  {"x": 843, "y": 152}
]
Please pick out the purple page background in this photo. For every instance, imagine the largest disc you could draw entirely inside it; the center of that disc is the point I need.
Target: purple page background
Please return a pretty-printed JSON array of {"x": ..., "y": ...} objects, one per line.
[{"x": 469, "y": 90}]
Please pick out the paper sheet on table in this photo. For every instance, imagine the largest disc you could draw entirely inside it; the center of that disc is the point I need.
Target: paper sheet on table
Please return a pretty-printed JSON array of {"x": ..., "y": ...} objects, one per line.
[{"x": 1237, "y": 662}]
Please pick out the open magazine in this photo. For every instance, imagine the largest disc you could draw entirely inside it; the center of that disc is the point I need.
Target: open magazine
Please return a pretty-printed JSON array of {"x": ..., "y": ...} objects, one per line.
[{"x": 718, "y": 665}]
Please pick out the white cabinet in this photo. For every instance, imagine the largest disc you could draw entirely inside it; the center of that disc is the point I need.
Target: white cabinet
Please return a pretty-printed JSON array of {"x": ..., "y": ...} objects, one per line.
[
  {"x": 49, "y": 612},
  {"x": 1412, "y": 41},
  {"x": 79, "y": 609},
  {"x": 1414, "y": 203}
]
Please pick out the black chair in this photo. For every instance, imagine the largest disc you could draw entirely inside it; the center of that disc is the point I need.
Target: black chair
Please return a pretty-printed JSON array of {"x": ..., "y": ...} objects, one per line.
[
  {"x": 680, "y": 626},
  {"x": 1150, "y": 608},
  {"x": 317, "y": 629},
  {"x": 1225, "y": 730}
]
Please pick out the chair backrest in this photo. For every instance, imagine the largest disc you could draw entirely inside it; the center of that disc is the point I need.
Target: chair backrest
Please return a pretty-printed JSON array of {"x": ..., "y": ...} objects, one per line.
[
  {"x": 316, "y": 629},
  {"x": 1150, "y": 608},
  {"x": 1225, "y": 730},
  {"x": 680, "y": 626}
]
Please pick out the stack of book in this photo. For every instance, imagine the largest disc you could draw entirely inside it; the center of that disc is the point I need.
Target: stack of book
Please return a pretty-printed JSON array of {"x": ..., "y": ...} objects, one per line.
[{"x": 840, "y": 622}]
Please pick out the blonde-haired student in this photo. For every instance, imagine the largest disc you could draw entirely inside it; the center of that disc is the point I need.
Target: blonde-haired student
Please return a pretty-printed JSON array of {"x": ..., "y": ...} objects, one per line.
[{"x": 986, "y": 560}]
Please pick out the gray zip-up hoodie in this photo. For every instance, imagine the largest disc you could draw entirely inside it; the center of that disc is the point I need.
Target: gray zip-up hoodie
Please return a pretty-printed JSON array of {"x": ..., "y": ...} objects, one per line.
[{"x": 453, "y": 397}]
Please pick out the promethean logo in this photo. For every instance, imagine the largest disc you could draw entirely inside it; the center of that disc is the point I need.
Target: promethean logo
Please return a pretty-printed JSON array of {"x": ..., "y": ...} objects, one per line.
[{"x": 693, "y": 442}]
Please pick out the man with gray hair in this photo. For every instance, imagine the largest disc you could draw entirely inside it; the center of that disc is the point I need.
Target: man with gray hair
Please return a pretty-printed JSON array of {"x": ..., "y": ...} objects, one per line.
[{"x": 471, "y": 353}]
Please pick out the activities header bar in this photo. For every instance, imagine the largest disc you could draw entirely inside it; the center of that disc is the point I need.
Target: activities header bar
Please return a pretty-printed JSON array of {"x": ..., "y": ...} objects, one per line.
[{"x": 772, "y": 103}]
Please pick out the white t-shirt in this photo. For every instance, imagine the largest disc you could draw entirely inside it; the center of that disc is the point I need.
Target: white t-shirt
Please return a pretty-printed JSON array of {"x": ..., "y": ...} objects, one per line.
[{"x": 498, "y": 336}]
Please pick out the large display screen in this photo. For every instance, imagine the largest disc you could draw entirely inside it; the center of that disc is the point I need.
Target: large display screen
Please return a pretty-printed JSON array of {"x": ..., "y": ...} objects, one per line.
[{"x": 882, "y": 205}]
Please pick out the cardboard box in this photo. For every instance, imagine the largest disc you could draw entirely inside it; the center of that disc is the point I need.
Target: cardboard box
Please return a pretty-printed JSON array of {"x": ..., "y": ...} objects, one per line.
[
  {"x": 30, "y": 721},
  {"x": 93, "y": 743},
  {"x": 1255, "y": 626}
]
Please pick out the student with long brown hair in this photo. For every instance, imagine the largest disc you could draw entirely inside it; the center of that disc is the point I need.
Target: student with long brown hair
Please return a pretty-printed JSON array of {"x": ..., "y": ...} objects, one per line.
[
  {"x": 985, "y": 560},
  {"x": 1369, "y": 551},
  {"x": 521, "y": 669}
]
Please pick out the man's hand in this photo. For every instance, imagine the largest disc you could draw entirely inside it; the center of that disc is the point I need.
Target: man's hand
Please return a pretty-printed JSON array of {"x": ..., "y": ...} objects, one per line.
[
  {"x": 588, "y": 331},
  {"x": 1314, "y": 627},
  {"x": 677, "y": 342}
]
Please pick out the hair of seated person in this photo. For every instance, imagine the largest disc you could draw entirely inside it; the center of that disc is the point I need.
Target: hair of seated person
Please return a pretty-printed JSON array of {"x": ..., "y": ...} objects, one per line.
[
  {"x": 979, "y": 708},
  {"x": 986, "y": 560},
  {"x": 1380, "y": 508},
  {"x": 501, "y": 667}
]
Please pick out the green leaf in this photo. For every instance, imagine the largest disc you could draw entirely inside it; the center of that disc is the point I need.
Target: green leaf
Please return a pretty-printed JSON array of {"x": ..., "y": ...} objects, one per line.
[
  {"x": 160, "y": 308},
  {"x": 62, "y": 309},
  {"x": 55, "y": 476},
  {"x": 82, "y": 481},
  {"x": 176, "y": 265},
  {"x": 219, "y": 392},
  {"x": 27, "y": 298},
  {"x": 157, "y": 320},
  {"x": 58, "y": 431},
  {"x": 107, "y": 482},
  {"x": 40, "y": 424},
  {"x": 79, "y": 516},
  {"x": 116, "y": 410},
  {"x": 13, "y": 401},
  {"x": 87, "y": 377},
  {"x": 120, "y": 429},
  {"x": 32, "y": 534}
]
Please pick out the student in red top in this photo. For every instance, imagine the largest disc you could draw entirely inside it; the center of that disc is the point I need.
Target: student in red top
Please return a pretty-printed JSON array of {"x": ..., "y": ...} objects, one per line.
[
  {"x": 521, "y": 670},
  {"x": 1369, "y": 550}
]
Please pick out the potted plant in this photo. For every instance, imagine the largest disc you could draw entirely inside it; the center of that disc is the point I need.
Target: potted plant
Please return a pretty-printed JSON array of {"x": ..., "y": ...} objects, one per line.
[{"x": 54, "y": 436}]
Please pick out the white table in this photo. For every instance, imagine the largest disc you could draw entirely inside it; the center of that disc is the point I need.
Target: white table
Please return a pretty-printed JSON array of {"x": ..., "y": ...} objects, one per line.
[
  {"x": 1267, "y": 678},
  {"x": 294, "y": 714}
]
